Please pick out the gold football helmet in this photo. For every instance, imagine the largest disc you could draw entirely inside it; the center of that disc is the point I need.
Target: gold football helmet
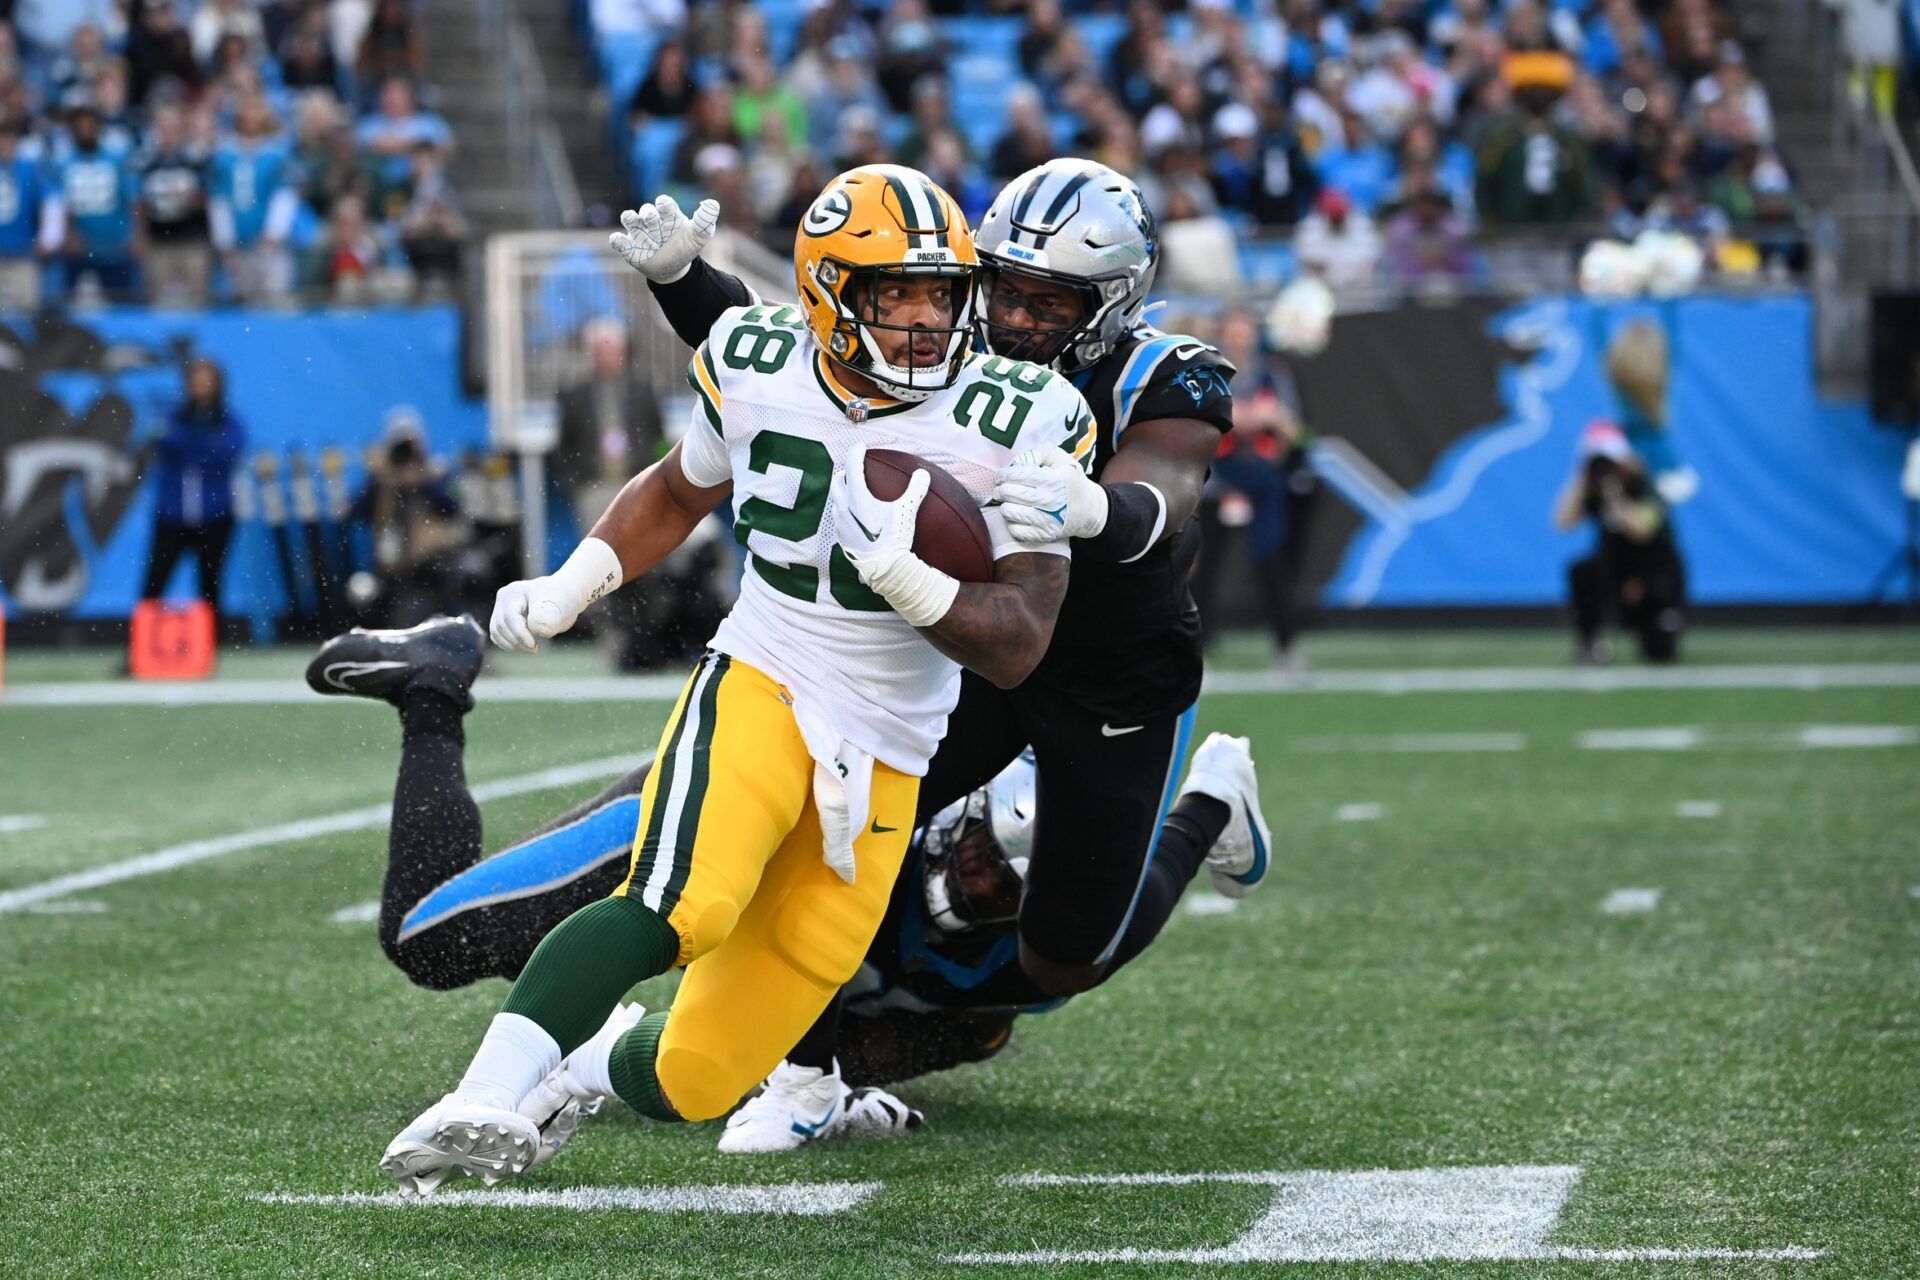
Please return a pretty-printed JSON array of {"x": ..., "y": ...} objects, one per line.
[{"x": 869, "y": 223}]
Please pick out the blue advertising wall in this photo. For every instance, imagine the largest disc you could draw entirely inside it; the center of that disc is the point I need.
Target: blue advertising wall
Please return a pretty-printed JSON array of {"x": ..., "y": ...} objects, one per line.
[
  {"x": 307, "y": 381},
  {"x": 1798, "y": 501}
]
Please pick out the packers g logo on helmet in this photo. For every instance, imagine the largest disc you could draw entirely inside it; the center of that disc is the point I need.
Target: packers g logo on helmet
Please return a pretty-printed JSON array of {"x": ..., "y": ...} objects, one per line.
[{"x": 871, "y": 223}]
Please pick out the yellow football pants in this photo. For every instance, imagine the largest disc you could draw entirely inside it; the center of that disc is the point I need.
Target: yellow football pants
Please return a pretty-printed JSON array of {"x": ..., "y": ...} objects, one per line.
[{"x": 729, "y": 852}]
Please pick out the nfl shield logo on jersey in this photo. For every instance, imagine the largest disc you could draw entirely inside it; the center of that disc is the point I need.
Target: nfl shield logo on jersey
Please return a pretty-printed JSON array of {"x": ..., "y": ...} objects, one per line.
[{"x": 857, "y": 410}]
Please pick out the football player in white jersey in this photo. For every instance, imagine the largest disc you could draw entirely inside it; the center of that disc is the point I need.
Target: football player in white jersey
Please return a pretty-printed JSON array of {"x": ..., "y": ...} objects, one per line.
[{"x": 778, "y": 811}]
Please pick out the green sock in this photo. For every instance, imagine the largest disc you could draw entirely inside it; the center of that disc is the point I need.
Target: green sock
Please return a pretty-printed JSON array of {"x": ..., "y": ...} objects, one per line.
[
  {"x": 630, "y": 1067},
  {"x": 578, "y": 973}
]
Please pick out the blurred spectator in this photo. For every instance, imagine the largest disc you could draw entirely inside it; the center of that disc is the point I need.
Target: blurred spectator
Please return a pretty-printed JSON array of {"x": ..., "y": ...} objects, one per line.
[
  {"x": 194, "y": 459},
  {"x": 1028, "y": 140},
  {"x": 347, "y": 254},
  {"x": 1040, "y": 40},
  {"x": 1356, "y": 162},
  {"x": 911, "y": 46},
  {"x": 1173, "y": 131},
  {"x": 97, "y": 192},
  {"x": 1870, "y": 30},
  {"x": 415, "y": 524},
  {"x": 719, "y": 171},
  {"x": 1691, "y": 33},
  {"x": 23, "y": 196},
  {"x": 1757, "y": 196},
  {"x": 71, "y": 75},
  {"x": 326, "y": 158},
  {"x": 1634, "y": 576},
  {"x": 173, "y": 212},
  {"x": 760, "y": 93},
  {"x": 946, "y": 163},
  {"x": 1338, "y": 242},
  {"x": 1200, "y": 253},
  {"x": 1265, "y": 176},
  {"x": 1427, "y": 241},
  {"x": 769, "y": 167},
  {"x": 932, "y": 116},
  {"x": 610, "y": 425},
  {"x": 390, "y": 49},
  {"x": 643, "y": 17},
  {"x": 306, "y": 55},
  {"x": 666, "y": 92},
  {"x": 860, "y": 141},
  {"x": 1616, "y": 31},
  {"x": 1129, "y": 65},
  {"x": 1740, "y": 100},
  {"x": 848, "y": 83},
  {"x": 1260, "y": 494},
  {"x": 432, "y": 226},
  {"x": 217, "y": 20},
  {"x": 1533, "y": 169},
  {"x": 388, "y": 136},
  {"x": 48, "y": 25},
  {"x": 253, "y": 206},
  {"x": 710, "y": 122}
]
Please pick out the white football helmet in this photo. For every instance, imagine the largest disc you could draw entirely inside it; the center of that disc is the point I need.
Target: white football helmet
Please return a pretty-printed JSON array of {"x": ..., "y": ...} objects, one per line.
[
  {"x": 1072, "y": 222},
  {"x": 976, "y": 852}
]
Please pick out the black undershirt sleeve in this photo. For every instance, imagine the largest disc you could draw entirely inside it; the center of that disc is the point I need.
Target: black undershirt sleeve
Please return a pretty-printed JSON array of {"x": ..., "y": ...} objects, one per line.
[{"x": 694, "y": 301}]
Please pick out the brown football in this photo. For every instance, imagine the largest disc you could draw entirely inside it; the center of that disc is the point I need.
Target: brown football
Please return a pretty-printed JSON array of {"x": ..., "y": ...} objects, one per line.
[{"x": 949, "y": 533}]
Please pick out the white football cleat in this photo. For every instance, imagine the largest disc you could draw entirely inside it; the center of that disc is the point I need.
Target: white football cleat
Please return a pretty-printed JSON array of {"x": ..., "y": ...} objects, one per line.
[
  {"x": 560, "y": 1102},
  {"x": 797, "y": 1105},
  {"x": 872, "y": 1112},
  {"x": 458, "y": 1137},
  {"x": 1223, "y": 768}
]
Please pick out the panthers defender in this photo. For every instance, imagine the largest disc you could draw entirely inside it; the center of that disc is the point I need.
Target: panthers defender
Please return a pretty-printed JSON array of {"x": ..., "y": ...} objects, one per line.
[
  {"x": 785, "y": 787},
  {"x": 1068, "y": 253},
  {"x": 451, "y": 914}
]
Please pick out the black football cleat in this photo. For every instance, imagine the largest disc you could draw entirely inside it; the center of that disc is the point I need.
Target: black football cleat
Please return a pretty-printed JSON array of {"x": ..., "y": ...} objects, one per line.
[{"x": 442, "y": 654}]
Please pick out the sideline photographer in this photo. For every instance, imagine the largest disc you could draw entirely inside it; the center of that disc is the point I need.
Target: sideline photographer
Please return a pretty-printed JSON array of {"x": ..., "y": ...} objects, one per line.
[{"x": 1634, "y": 575}]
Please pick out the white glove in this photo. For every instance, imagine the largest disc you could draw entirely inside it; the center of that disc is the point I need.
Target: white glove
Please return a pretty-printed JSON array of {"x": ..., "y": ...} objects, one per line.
[
  {"x": 1045, "y": 496},
  {"x": 877, "y": 536},
  {"x": 532, "y": 610},
  {"x": 661, "y": 243}
]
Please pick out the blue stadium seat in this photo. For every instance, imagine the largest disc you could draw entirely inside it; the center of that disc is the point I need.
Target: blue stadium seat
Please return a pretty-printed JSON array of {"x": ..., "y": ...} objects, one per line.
[
  {"x": 623, "y": 61},
  {"x": 651, "y": 155},
  {"x": 1100, "y": 32},
  {"x": 979, "y": 97},
  {"x": 784, "y": 18},
  {"x": 1268, "y": 264},
  {"x": 980, "y": 34}
]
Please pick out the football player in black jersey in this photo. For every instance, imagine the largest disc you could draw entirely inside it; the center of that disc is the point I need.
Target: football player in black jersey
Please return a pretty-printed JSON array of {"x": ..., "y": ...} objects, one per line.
[
  {"x": 1068, "y": 253},
  {"x": 450, "y": 914}
]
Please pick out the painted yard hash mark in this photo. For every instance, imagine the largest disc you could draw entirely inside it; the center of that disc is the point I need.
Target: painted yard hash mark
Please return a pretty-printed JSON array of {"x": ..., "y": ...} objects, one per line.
[
  {"x": 1631, "y": 902},
  {"x": 12, "y": 822},
  {"x": 805, "y": 1199},
  {"x": 1209, "y": 904},
  {"x": 1496, "y": 1213},
  {"x": 1697, "y": 809},
  {"x": 358, "y": 913},
  {"x": 1365, "y": 811}
]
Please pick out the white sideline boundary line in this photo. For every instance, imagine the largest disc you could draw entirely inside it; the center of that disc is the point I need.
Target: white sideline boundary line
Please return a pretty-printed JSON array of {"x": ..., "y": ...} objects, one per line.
[
  {"x": 805, "y": 1199},
  {"x": 181, "y": 855},
  {"x": 664, "y": 688}
]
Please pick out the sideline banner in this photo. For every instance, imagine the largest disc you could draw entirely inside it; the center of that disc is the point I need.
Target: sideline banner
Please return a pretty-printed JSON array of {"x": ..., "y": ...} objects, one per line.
[
  {"x": 1446, "y": 433},
  {"x": 83, "y": 392}
]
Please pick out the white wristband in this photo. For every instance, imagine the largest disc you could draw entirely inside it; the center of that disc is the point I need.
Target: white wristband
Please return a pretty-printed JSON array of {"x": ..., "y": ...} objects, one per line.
[
  {"x": 592, "y": 570},
  {"x": 917, "y": 591}
]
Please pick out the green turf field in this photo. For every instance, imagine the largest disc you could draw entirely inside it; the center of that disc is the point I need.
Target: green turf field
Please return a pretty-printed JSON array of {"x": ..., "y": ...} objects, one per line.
[{"x": 1429, "y": 981}]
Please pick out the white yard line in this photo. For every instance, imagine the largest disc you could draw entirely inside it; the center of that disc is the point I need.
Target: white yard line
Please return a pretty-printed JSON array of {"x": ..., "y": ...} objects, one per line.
[
  {"x": 1675, "y": 739},
  {"x": 1361, "y": 812},
  {"x": 1859, "y": 735},
  {"x": 193, "y": 851},
  {"x": 1495, "y": 1213},
  {"x": 12, "y": 822},
  {"x": 1697, "y": 809},
  {"x": 1631, "y": 902},
  {"x": 666, "y": 688},
  {"x": 808, "y": 1199},
  {"x": 358, "y": 913}
]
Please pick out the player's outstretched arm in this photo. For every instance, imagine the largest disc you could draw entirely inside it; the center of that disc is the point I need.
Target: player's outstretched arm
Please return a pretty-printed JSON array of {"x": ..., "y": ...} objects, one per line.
[
  {"x": 650, "y": 516},
  {"x": 1147, "y": 492},
  {"x": 664, "y": 245}
]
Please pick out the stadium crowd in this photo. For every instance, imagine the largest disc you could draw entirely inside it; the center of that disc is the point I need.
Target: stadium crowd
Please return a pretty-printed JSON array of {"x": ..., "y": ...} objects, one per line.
[
  {"x": 1386, "y": 134},
  {"x": 187, "y": 151}
]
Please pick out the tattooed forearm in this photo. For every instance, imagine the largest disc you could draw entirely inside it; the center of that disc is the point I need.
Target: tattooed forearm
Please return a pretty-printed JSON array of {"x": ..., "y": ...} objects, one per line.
[{"x": 1001, "y": 628}]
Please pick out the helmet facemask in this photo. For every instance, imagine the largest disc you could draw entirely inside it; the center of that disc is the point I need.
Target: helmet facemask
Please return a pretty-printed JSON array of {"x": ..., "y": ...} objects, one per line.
[
  {"x": 1067, "y": 347},
  {"x": 971, "y": 881},
  {"x": 856, "y": 293}
]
